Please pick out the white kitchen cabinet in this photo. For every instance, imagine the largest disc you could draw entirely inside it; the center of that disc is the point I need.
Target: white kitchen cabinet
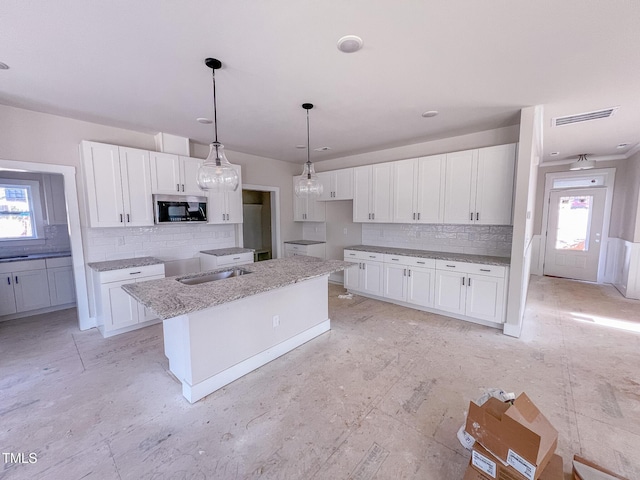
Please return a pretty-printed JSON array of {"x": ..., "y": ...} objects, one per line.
[
  {"x": 55, "y": 203},
  {"x": 24, "y": 286},
  {"x": 307, "y": 209},
  {"x": 174, "y": 174},
  {"x": 118, "y": 184},
  {"x": 474, "y": 290},
  {"x": 409, "y": 279},
  {"x": 211, "y": 262},
  {"x": 315, "y": 250},
  {"x": 337, "y": 184},
  {"x": 117, "y": 311},
  {"x": 226, "y": 207},
  {"x": 479, "y": 186},
  {"x": 62, "y": 289},
  {"x": 418, "y": 188},
  {"x": 368, "y": 273},
  {"x": 373, "y": 193}
]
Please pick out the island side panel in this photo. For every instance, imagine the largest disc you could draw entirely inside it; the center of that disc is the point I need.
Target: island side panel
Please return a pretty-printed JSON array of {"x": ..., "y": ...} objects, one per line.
[{"x": 222, "y": 337}]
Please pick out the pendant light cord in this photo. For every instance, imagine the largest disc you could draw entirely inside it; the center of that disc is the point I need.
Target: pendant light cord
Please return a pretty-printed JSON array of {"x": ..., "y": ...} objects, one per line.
[
  {"x": 308, "y": 148},
  {"x": 215, "y": 113}
]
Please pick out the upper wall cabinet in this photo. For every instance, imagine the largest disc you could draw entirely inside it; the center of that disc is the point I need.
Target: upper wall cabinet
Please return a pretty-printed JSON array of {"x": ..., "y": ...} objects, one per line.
[
  {"x": 373, "y": 193},
  {"x": 307, "y": 209},
  {"x": 479, "y": 186},
  {"x": 418, "y": 188},
  {"x": 174, "y": 174},
  {"x": 337, "y": 185},
  {"x": 226, "y": 207},
  {"x": 118, "y": 181}
]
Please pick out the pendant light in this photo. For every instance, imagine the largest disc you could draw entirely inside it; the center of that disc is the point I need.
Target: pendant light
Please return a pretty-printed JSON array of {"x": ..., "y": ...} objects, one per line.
[
  {"x": 582, "y": 163},
  {"x": 308, "y": 185},
  {"x": 216, "y": 173}
]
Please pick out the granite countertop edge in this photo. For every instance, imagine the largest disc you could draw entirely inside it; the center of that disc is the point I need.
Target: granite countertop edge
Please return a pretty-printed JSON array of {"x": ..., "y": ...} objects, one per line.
[
  {"x": 221, "y": 252},
  {"x": 35, "y": 256},
  {"x": 124, "y": 263},
  {"x": 449, "y": 256},
  {"x": 305, "y": 242},
  {"x": 169, "y": 298}
]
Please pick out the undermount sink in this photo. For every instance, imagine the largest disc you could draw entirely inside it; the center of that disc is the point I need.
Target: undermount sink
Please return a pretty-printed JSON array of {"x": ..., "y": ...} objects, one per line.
[{"x": 212, "y": 277}]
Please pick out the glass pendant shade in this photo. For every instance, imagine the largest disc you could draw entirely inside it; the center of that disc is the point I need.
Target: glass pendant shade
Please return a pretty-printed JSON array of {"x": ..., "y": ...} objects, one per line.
[
  {"x": 582, "y": 163},
  {"x": 308, "y": 185},
  {"x": 216, "y": 173}
]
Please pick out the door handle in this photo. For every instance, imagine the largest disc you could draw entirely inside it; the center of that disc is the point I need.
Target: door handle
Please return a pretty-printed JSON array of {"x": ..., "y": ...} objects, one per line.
[
  {"x": 462, "y": 281},
  {"x": 414, "y": 216},
  {"x": 409, "y": 271},
  {"x": 418, "y": 215},
  {"x": 477, "y": 216},
  {"x": 469, "y": 282},
  {"x": 8, "y": 280},
  {"x": 471, "y": 217},
  {"x": 128, "y": 219},
  {"x": 120, "y": 218},
  {"x": 183, "y": 187},
  {"x": 177, "y": 187},
  {"x": 16, "y": 277}
]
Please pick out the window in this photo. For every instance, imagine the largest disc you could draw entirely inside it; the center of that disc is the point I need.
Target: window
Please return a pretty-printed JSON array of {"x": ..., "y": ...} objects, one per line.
[{"x": 20, "y": 211}]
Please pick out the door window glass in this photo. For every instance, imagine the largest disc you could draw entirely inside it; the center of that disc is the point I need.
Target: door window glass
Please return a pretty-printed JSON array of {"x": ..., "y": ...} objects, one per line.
[{"x": 574, "y": 214}]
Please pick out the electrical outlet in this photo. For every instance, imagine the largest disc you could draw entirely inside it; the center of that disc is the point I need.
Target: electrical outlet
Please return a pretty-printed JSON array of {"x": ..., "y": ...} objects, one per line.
[
  {"x": 120, "y": 241},
  {"x": 344, "y": 231},
  {"x": 276, "y": 321}
]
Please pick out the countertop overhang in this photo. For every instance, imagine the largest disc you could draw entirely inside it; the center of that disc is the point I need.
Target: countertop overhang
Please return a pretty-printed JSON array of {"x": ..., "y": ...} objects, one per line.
[
  {"x": 33, "y": 256},
  {"x": 169, "y": 298}
]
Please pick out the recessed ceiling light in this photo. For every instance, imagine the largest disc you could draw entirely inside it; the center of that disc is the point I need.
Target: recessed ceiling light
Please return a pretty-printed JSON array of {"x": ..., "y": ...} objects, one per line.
[
  {"x": 622, "y": 145},
  {"x": 554, "y": 154},
  {"x": 204, "y": 121},
  {"x": 4, "y": 66},
  {"x": 430, "y": 113},
  {"x": 350, "y": 44},
  {"x": 301, "y": 147},
  {"x": 322, "y": 149}
]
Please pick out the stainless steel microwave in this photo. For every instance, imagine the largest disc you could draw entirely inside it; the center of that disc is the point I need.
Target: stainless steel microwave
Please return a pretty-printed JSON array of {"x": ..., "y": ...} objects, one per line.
[{"x": 179, "y": 209}]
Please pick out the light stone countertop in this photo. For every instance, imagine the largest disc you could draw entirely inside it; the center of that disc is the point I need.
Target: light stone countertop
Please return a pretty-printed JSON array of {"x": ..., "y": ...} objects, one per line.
[
  {"x": 33, "y": 256},
  {"x": 452, "y": 257},
  {"x": 221, "y": 252},
  {"x": 124, "y": 263},
  {"x": 304, "y": 242},
  {"x": 169, "y": 298}
]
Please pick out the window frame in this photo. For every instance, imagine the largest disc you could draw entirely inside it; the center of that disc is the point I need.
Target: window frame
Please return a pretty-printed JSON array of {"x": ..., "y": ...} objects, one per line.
[{"x": 36, "y": 205}]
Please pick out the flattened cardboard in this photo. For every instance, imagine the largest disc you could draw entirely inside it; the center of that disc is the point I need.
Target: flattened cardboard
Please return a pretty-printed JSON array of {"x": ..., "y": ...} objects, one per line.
[
  {"x": 553, "y": 471},
  {"x": 521, "y": 427},
  {"x": 584, "y": 469}
]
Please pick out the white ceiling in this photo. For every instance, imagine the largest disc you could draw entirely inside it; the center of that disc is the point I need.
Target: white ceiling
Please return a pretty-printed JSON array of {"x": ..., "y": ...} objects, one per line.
[{"x": 139, "y": 65}]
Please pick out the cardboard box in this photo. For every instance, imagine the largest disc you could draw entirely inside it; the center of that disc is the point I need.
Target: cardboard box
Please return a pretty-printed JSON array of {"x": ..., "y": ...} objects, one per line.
[
  {"x": 584, "y": 469},
  {"x": 491, "y": 468},
  {"x": 518, "y": 433}
]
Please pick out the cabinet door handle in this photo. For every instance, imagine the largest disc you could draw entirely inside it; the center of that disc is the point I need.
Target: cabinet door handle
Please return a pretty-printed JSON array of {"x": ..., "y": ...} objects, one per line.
[
  {"x": 183, "y": 187},
  {"x": 477, "y": 216},
  {"x": 421, "y": 263},
  {"x": 128, "y": 219},
  {"x": 8, "y": 280},
  {"x": 134, "y": 273},
  {"x": 418, "y": 215},
  {"x": 469, "y": 282},
  {"x": 16, "y": 277},
  {"x": 373, "y": 216},
  {"x": 409, "y": 272},
  {"x": 414, "y": 216},
  {"x": 485, "y": 269},
  {"x": 463, "y": 281},
  {"x": 120, "y": 218},
  {"x": 372, "y": 256},
  {"x": 471, "y": 216},
  {"x": 395, "y": 259},
  {"x": 451, "y": 266},
  {"x": 177, "y": 187},
  {"x": 236, "y": 258}
]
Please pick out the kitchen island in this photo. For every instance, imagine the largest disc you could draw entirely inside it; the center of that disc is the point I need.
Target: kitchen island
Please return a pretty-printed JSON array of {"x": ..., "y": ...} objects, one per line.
[{"x": 219, "y": 330}]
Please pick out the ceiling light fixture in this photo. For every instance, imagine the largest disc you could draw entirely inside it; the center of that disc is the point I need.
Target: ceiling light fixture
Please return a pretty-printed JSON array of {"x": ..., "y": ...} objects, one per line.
[
  {"x": 430, "y": 113},
  {"x": 308, "y": 185},
  {"x": 350, "y": 44},
  {"x": 216, "y": 173},
  {"x": 582, "y": 163}
]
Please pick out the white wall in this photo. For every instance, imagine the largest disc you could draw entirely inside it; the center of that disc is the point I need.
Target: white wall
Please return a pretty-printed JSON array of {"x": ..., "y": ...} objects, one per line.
[{"x": 529, "y": 153}]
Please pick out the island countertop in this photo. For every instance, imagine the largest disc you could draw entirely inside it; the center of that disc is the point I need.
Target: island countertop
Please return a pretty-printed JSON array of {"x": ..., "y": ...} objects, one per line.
[{"x": 169, "y": 298}]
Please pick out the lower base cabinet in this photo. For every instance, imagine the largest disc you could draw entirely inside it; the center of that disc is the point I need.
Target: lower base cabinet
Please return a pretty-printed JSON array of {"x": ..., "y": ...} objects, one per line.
[
  {"x": 117, "y": 311},
  {"x": 315, "y": 250},
  {"x": 468, "y": 291}
]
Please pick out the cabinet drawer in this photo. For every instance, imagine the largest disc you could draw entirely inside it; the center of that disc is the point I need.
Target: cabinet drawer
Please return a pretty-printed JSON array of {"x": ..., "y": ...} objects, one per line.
[
  {"x": 22, "y": 266},
  {"x": 235, "y": 259},
  {"x": 477, "y": 268},
  {"x": 410, "y": 261},
  {"x": 130, "y": 273},
  {"x": 58, "y": 262},
  {"x": 358, "y": 255}
]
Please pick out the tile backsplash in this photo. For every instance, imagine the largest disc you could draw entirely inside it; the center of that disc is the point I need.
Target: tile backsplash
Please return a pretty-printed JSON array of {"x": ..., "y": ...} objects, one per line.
[
  {"x": 167, "y": 242},
  {"x": 56, "y": 239},
  {"x": 314, "y": 231},
  {"x": 474, "y": 239}
]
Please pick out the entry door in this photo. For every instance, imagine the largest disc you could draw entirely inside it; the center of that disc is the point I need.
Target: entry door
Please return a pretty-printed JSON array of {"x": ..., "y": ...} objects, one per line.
[{"x": 574, "y": 233}]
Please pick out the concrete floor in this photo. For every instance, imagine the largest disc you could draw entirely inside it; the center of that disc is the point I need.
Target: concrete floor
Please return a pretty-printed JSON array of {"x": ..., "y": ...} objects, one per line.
[{"x": 379, "y": 397}]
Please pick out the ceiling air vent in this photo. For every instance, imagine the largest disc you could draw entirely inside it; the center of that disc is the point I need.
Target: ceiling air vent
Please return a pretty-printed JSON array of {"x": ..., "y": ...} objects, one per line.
[{"x": 583, "y": 117}]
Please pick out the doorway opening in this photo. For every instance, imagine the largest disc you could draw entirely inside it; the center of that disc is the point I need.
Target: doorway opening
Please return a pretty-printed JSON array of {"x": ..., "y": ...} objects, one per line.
[
  {"x": 260, "y": 228},
  {"x": 575, "y": 224}
]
